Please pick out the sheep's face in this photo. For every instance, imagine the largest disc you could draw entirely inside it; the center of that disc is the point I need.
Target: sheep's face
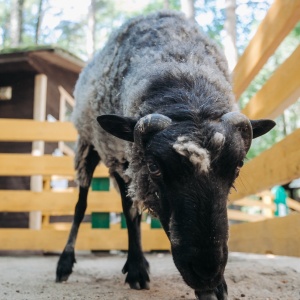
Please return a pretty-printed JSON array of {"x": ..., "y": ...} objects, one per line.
[
  {"x": 192, "y": 166},
  {"x": 193, "y": 177}
]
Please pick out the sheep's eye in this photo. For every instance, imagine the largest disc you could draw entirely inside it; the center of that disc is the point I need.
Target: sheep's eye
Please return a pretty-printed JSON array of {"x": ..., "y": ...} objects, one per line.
[
  {"x": 240, "y": 164},
  {"x": 153, "y": 169},
  {"x": 237, "y": 171}
]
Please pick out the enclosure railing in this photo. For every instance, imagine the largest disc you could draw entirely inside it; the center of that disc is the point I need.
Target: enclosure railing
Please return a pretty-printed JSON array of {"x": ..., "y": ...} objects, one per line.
[
  {"x": 52, "y": 236},
  {"x": 280, "y": 164}
]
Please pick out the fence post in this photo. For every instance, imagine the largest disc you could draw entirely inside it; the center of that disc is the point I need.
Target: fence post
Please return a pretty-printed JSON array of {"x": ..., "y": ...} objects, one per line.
[{"x": 39, "y": 114}]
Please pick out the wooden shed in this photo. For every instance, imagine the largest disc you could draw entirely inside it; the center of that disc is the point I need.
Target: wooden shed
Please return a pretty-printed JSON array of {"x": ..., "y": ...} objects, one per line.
[{"x": 35, "y": 84}]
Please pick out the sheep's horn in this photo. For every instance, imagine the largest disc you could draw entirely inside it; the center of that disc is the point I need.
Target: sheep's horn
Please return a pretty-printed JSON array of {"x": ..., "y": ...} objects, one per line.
[
  {"x": 242, "y": 123},
  {"x": 148, "y": 125}
]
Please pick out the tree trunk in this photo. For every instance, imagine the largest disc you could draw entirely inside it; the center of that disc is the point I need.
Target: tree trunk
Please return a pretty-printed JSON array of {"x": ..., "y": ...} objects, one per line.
[
  {"x": 284, "y": 125},
  {"x": 166, "y": 4},
  {"x": 90, "y": 37},
  {"x": 16, "y": 23},
  {"x": 188, "y": 8},
  {"x": 5, "y": 30},
  {"x": 230, "y": 48},
  {"x": 39, "y": 22}
]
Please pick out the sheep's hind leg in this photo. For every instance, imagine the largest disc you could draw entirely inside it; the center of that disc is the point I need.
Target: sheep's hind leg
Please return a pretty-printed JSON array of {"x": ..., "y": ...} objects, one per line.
[
  {"x": 136, "y": 266},
  {"x": 85, "y": 162}
]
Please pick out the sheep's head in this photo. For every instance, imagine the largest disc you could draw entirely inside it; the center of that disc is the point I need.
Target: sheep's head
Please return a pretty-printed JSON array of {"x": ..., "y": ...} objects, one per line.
[{"x": 192, "y": 164}]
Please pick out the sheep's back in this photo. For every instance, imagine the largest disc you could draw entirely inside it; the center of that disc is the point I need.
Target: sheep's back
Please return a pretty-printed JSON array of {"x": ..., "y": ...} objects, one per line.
[{"x": 116, "y": 79}]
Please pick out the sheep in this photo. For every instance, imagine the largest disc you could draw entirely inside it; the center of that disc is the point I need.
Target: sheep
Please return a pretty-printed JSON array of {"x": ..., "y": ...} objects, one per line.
[{"x": 156, "y": 107}]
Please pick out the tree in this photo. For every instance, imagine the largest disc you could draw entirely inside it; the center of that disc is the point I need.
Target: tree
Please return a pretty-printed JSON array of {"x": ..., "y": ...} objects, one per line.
[
  {"x": 90, "y": 43},
  {"x": 188, "y": 8},
  {"x": 16, "y": 23},
  {"x": 229, "y": 41},
  {"x": 72, "y": 36},
  {"x": 166, "y": 4},
  {"x": 4, "y": 24},
  {"x": 39, "y": 21},
  {"x": 211, "y": 17}
]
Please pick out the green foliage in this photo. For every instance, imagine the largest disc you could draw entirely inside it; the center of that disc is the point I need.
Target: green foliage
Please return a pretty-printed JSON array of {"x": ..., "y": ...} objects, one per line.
[
  {"x": 4, "y": 23},
  {"x": 249, "y": 14},
  {"x": 159, "y": 4},
  {"x": 210, "y": 10},
  {"x": 266, "y": 141},
  {"x": 110, "y": 14},
  {"x": 70, "y": 34}
]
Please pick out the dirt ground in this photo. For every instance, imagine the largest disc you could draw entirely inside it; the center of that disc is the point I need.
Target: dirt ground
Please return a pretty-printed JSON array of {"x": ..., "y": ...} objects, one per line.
[{"x": 28, "y": 276}]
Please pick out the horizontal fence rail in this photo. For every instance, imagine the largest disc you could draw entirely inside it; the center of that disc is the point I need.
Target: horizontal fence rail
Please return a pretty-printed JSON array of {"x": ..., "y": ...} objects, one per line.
[
  {"x": 279, "y": 236},
  {"x": 273, "y": 99},
  {"x": 29, "y": 130},
  {"x": 295, "y": 205},
  {"x": 58, "y": 203},
  {"x": 281, "y": 18},
  {"x": 97, "y": 239},
  {"x": 28, "y": 165},
  {"x": 278, "y": 165},
  {"x": 63, "y": 203}
]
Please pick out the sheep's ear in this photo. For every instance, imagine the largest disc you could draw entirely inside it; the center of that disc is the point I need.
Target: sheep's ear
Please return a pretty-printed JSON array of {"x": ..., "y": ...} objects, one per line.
[
  {"x": 121, "y": 127},
  {"x": 261, "y": 127}
]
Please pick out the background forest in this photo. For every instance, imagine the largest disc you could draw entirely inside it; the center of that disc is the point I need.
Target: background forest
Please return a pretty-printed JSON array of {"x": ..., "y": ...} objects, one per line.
[{"x": 82, "y": 27}]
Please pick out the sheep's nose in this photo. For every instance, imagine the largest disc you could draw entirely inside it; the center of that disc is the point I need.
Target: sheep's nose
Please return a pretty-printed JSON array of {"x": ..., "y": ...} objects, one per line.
[{"x": 205, "y": 295}]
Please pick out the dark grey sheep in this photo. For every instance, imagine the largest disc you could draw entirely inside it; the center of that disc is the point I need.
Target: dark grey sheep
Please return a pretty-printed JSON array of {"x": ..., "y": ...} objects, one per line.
[{"x": 172, "y": 139}]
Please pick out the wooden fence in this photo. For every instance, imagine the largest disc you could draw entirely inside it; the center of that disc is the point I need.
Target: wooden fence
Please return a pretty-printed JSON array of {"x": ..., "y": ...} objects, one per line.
[
  {"x": 52, "y": 236},
  {"x": 281, "y": 163},
  {"x": 261, "y": 233}
]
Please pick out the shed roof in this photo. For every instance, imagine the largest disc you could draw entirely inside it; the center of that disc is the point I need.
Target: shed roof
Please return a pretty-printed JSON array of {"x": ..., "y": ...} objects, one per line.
[
  {"x": 35, "y": 59},
  {"x": 59, "y": 65}
]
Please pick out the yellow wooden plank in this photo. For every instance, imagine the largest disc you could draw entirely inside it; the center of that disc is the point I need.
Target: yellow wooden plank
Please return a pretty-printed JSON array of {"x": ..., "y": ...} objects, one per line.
[
  {"x": 100, "y": 239},
  {"x": 278, "y": 165},
  {"x": 265, "y": 193},
  {"x": 27, "y": 165},
  {"x": 61, "y": 203},
  {"x": 279, "y": 92},
  {"x": 66, "y": 96},
  {"x": 295, "y": 205},
  {"x": 279, "y": 236},
  {"x": 242, "y": 216},
  {"x": 65, "y": 226},
  {"x": 21, "y": 130},
  {"x": 45, "y": 220},
  {"x": 281, "y": 18},
  {"x": 88, "y": 225},
  {"x": 254, "y": 203},
  {"x": 58, "y": 202}
]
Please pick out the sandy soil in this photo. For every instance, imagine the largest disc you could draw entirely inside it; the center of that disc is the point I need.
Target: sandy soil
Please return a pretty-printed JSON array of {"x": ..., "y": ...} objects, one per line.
[{"x": 99, "y": 277}]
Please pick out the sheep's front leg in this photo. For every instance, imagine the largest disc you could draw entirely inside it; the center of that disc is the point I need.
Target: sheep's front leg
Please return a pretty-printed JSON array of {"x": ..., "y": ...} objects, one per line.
[
  {"x": 67, "y": 258},
  {"x": 86, "y": 161},
  {"x": 136, "y": 266}
]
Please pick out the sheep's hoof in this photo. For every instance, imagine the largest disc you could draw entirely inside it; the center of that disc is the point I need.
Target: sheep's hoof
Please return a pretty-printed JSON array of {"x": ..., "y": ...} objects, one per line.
[
  {"x": 137, "y": 273},
  {"x": 65, "y": 266}
]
